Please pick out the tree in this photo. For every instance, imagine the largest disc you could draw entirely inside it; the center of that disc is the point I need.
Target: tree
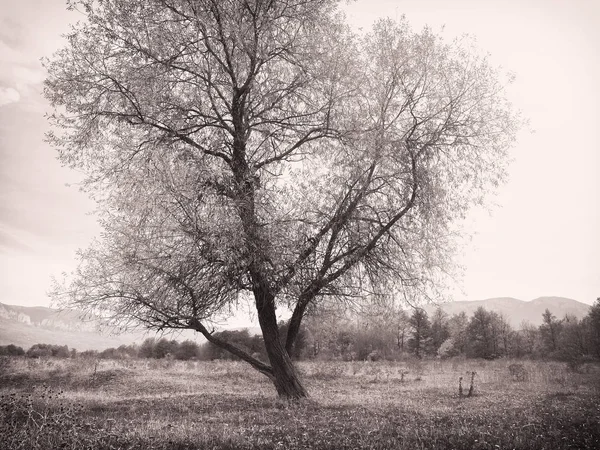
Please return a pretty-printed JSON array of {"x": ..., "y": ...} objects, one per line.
[
  {"x": 482, "y": 338},
  {"x": 549, "y": 332},
  {"x": 593, "y": 324},
  {"x": 456, "y": 344},
  {"x": 164, "y": 347},
  {"x": 401, "y": 325},
  {"x": 11, "y": 350},
  {"x": 147, "y": 348},
  {"x": 572, "y": 343},
  {"x": 419, "y": 342},
  {"x": 526, "y": 340},
  {"x": 47, "y": 350},
  {"x": 504, "y": 334},
  {"x": 187, "y": 350},
  {"x": 440, "y": 329},
  {"x": 240, "y": 338},
  {"x": 259, "y": 150}
]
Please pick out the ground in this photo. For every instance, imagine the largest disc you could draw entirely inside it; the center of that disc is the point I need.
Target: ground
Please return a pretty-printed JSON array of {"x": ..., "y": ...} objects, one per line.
[{"x": 159, "y": 404}]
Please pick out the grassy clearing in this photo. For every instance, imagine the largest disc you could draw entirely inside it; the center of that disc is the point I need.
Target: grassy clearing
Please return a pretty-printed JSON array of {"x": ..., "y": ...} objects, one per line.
[{"x": 218, "y": 405}]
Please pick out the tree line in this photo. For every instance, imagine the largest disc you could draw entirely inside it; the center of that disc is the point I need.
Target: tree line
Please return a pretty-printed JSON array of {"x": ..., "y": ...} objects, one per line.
[{"x": 485, "y": 334}]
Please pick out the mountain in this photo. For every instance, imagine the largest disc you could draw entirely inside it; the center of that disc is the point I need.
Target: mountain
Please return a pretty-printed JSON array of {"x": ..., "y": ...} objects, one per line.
[
  {"x": 25, "y": 326},
  {"x": 517, "y": 311}
]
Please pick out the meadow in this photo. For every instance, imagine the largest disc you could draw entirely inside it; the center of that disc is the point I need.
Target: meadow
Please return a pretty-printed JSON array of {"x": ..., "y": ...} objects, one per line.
[{"x": 163, "y": 404}]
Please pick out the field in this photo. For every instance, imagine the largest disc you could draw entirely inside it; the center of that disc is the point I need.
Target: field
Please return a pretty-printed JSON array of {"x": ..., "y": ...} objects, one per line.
[{"x": 161, "y": 404}]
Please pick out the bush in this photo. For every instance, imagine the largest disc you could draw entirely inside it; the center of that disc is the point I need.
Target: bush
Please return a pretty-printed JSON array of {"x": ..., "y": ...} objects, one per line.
[
  {"x": 11, "y": 350},
  {"x": 47, "y": 350},
  {"x": 43, "y": 420},
  {"x": 187, "y": 350}
]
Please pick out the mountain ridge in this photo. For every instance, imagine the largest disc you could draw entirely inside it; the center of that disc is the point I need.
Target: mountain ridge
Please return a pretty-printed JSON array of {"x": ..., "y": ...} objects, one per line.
[{"x": 516, "y": 310}]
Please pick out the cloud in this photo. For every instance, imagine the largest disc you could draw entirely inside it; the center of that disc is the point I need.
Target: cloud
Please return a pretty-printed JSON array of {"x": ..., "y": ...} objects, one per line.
[
  {"x": 8, "y": 242},
  {"x": 8, "y": 96}
]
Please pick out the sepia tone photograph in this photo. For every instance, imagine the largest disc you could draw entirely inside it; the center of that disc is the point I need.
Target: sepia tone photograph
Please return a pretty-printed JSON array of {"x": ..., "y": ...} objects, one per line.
[{"x": 299, "y": 224}]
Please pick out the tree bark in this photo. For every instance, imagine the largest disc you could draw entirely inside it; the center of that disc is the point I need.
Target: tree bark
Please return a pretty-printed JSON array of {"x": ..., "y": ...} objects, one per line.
[
  {"x": 284, "y": 374},
  {"x": 295, "y": 322}
]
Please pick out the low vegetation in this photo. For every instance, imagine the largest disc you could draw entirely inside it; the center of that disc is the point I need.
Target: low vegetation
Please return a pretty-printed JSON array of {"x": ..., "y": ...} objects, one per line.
[{"x": 168, "y": 404}]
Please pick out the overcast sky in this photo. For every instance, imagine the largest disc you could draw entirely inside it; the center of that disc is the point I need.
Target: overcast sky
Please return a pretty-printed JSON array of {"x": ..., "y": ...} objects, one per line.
[{"x": 542, "y": 238}]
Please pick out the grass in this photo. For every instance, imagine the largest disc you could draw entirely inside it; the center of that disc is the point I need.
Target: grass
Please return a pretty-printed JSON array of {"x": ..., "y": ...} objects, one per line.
[{"x": 147, "y": 404}]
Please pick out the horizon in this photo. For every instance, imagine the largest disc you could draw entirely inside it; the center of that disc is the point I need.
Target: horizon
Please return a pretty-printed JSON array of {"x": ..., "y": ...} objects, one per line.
[
  {"x": 530, "y": 242},
  {"x": 424, "y": 305}
]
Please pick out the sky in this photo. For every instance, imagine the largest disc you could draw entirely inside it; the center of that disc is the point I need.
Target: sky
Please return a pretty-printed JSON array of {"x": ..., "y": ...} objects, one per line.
[{"x": 540, "y": 237}]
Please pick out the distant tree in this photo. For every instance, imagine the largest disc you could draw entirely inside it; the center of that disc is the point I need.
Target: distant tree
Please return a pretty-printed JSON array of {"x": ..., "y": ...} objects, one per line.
[
  {"x": 524, "y": 341},
  {"x": 593, "y": 322},
  {"x": 373, "y": 339},
  {"x": 457, "y": 343},
  {"x": 88, "y": 354},
  {"x": 47, "y": 350},
  {"x": 262, "y": 150},
  {"x": 572, "y": 343},
  {"x": 109, "y": 353},
  {"x": 419, "y": 342},
  {"x": 298, "y": 349},
  {"x": 128, "y": 351},
  {"x": 147, "y": 348},
  {"x": 240, "y": 338},
  {"x": 550, "y": 332},
  {"x": 11, "y": 350},
  {"x": 402, "y": 327},
  {"x": 187, "y": 350},
  {"x": 440, "y": 329},
  {"x": 503, "y": 333},
  {"x": 164, "y": 347},
  {"x": 344, "y": 343},
  {"x": 482, "y": 338},
  {"x": 323, "y": 328}
]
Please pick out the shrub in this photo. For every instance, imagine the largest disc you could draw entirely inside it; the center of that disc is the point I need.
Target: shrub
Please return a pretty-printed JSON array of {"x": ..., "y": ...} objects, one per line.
[
  {"x": 11, "y": 350},
  {"x": 42, "y": 420},
  {"x": 47, "y": 350}
]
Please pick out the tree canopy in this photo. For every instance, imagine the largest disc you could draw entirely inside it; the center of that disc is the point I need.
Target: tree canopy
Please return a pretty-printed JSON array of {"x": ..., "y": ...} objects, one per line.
[{"x": 261, "y": 149}]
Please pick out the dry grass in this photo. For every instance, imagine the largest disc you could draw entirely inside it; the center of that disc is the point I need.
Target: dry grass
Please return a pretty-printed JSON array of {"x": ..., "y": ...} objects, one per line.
[{"x": 219, "y": 405}]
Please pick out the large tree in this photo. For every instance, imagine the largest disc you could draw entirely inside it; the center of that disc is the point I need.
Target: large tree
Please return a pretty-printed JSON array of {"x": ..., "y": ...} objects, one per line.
[{"x": 259, "y": 149}]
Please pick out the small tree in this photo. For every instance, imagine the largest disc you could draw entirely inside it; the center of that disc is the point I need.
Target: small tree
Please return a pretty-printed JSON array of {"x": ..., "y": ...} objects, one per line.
[{"x": 259, "y": 150}]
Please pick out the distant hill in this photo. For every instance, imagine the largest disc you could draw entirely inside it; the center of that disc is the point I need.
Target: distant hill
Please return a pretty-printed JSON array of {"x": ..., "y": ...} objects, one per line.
[
  {"x": 25, "y": 326},
  {"x": 517, "y": 311}
]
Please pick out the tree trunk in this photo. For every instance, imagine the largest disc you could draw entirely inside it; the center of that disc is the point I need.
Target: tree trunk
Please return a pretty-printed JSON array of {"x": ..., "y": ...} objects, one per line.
[{"x": 285, "y": 376}]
